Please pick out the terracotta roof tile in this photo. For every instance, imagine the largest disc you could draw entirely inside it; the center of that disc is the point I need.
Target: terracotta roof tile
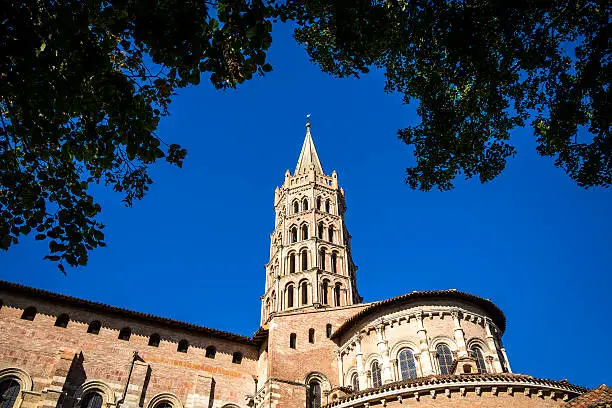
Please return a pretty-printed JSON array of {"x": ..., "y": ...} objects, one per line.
[
  {"x": 101, "y": 307},
  {"x": 596, "y": 398}
]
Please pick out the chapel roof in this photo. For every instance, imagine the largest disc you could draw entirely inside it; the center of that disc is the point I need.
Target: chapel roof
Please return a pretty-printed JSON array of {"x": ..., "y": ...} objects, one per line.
[
  {"x": 477, "y": 379},
  {"x": 495, "y": 313},
  {"x": 125, "y": 313},
  {"x": 599, "y": 397}
]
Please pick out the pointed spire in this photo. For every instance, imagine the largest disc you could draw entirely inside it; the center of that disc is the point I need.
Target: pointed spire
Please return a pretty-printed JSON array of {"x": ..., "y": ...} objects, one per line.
[{"x": 308, "y": 155}]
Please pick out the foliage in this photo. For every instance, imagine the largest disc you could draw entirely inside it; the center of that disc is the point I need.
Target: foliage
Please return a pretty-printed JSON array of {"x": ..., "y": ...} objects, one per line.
[
  {"x": 478, "y": 70},
  {"x": 83, "y": 85}
]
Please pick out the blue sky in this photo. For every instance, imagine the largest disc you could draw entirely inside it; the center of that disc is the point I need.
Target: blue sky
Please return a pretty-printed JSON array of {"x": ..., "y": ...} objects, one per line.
[{"x": 194, "y": 249}]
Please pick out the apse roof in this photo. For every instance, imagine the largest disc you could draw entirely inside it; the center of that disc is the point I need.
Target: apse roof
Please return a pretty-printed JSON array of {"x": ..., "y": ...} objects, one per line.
[{"x": 495, "y": 313}]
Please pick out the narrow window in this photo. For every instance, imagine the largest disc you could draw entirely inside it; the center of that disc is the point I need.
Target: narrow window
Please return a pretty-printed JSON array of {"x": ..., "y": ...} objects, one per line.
[
  {"x": 477, "y": 354},
  {"x": 125, "y": 333},
  {"x": 305, "y": 205},
  {"x": 314, "y": 395},
  {"x": 62, "y": 321},
  {"x": 327, "y": 206},
  {"x": 304, "y": 293},
  {"x": 294, "y": 234},
  {"x": 337, "y": 295},
  {"x": 445, "y": 358},
  {"x": 325, "y": 289},
  {"x": 321, "y": 230},
  {"x": 183, "y": 346},
  {"x": 304, "y": 231},
  {"x": 292, "y": 263},
  {"x": 29, "y": 313},
  {"x": 376, "y": 378},
  {"x": 311, "y": 334},
  {"x": 330, "y": 233},
  {"x": 322, "y": 253},
  {"x": 211, "y": 351},
  {"x": 94, "y": 327},
  {"x": 91, "y": 400},
  {"x": 407, "y": 364},
  {"x": 304, "y": 260},
  {"x": 154, "y": 340},
  {"x": 334, "y": 262},
  {"x": 355, "y": 382},
  {"x": 290, "y": 296},
  {"x": 292, "y": 340},
  {"x": 319, "y": 203},
  {"x": 296, "y": 207},
  {"x": 328, "y": 330},
  {"x": 9, "y": 391},
  {"x": 237, "y": 357}
]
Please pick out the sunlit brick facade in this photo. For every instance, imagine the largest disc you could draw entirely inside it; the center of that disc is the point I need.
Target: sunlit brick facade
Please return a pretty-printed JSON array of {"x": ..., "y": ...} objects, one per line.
[{"x": 317, "y": 345}]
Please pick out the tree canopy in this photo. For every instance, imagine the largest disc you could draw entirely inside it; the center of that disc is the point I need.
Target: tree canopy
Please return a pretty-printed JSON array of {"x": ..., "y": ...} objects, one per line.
[{"x": 84, "y": 84}]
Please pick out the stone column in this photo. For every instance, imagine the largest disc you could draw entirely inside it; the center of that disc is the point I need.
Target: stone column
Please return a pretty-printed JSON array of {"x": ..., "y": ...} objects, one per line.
[
  {"x": 363, "y": 382},
  {"x": 459, "y": 335},
  {"x": 383, "y": 350},
  {"x": 492, "y": 347},
  {"x": 426, "y": 363},
  {"x": 340, "y": 368}
]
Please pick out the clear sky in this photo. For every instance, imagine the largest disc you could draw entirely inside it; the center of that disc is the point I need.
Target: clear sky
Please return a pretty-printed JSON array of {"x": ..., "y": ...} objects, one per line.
[{"x": 194, "y": 249}]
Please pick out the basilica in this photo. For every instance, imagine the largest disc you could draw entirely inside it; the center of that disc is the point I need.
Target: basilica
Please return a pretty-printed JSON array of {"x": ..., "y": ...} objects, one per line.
[{"x": 318, "y": 344}]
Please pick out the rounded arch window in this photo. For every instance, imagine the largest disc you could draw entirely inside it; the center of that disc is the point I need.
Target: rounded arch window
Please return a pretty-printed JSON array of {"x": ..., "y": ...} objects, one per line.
[
  {"x": 154, "y": 340},
  {"x": 91, "y": 400},
  {"x": 304, "y": 292},
  {"x": 9, "y": 392},
  {"x": 322, "y": 258},
  {"x": 311, "y": 335},
  {"x": 294, "y": 234},
  {"x": 163, "y": 404},
  {"x": 183, "y": 346},
  {"x": 376, "y": 376},
  {"x": 337, "y": 295},
  {"x": 355, "y": 382},
  {"x": 334, "y": 262},
  {"x": 324, "y": 290},
  {"x": 304, "y": 255},
  {"x": 319, "y": 203},
  {"x": 328, "y": 330},
  {"x": 289, "y": 295},
  {"x": 407, "y": 364},
  {"x": 304, "y": 231},
  {"x": 292, "y": 262},
  {"x": 94, "y": 327},
  {"x": 314, "y": 394},
  {"x": 327, "y": 206},
  {"x": 62, "y": 321},
  {"x": 29, "y": 313},
  {"x": 478, "y": 355},
  {"x": 445, "y": 358},
  {"x": 320, "y": 230}
]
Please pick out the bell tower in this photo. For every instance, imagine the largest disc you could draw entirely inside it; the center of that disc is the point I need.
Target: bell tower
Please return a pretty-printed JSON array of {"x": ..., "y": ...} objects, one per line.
[{"x": 310, "y": 253}]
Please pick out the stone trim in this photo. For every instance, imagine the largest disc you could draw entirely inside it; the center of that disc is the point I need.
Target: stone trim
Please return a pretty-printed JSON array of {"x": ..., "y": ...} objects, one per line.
[{"x": 165, "y": 397}]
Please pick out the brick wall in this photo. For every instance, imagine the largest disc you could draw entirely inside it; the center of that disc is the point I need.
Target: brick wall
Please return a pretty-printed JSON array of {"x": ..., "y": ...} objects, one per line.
[{"x": 60, "y": 360}]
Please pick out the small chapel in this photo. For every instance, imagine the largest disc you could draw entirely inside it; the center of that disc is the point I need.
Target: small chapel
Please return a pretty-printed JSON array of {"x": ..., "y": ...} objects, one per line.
[{"x": 318, "y": 344}]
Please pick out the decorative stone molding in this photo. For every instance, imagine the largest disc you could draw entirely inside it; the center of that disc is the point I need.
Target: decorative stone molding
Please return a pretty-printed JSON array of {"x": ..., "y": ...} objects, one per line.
[
  {"x": 165, "y": 397},
  {"x": 108, "y": 395}
]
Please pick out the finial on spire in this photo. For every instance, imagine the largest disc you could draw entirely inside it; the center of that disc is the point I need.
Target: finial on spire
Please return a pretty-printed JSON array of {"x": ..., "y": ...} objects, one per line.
[{"x": 308, "y": 121}]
